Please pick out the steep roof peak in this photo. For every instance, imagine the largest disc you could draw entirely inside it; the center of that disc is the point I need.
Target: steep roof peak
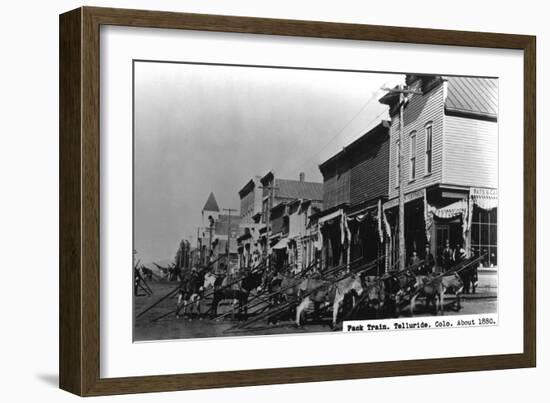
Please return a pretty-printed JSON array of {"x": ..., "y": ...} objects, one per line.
[{"x": 211, "y": 204}]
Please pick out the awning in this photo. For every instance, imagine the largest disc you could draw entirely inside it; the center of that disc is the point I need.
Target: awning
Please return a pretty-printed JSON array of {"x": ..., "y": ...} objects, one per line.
[
  {"x": 487, "y": 199},
  {"x": 282, "y": 244},
  {"x": 330, "y": 216},
  {"x": 361, "y": 214},
  {"x": 452, "y": 210},
  {"x": 458, "y": 208}
]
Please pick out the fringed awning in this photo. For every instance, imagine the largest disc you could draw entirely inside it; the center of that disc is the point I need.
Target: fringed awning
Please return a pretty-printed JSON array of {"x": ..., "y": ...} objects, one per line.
[
  {"x": 486, "y": 199},
  {"x": 459, "y": 208}
]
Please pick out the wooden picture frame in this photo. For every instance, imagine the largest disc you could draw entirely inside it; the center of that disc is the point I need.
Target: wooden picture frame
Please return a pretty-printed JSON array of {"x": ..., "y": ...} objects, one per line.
[{"x": 79, "y": 346}]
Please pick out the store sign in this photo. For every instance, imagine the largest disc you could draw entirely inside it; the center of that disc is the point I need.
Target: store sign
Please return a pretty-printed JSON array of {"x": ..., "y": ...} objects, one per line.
[
  {"x": 418, "y": 194},
  {"x": 484, "y": 193}
]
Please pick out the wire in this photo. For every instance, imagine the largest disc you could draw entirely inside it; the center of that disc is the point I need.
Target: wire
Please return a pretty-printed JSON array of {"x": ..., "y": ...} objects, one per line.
[{"x": 306, "y": 163}]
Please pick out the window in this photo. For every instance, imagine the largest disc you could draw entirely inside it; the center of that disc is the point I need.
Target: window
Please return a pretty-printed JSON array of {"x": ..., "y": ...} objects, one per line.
[
  {"x": 428, "y": 157},
  {"x": 484, "y": 235},
  {"x": 412, "y": 156},
  {"x": 397, "y": 163}
]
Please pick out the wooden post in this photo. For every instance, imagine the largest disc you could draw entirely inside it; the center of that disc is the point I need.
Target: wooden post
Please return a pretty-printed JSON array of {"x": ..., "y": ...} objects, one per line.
[
  {"x": 402, "y": 90},
  {"x": 402, "y": 253},
  {"x": 227, "y": 245}
]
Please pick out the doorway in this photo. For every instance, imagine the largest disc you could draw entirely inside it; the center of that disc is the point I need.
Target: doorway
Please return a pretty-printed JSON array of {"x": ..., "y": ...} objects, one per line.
[{"x": 449, "y": 229}]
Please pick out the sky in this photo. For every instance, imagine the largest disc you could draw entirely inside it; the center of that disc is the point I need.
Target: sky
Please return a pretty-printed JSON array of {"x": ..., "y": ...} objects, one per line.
[{"x": 203, "y": 128}]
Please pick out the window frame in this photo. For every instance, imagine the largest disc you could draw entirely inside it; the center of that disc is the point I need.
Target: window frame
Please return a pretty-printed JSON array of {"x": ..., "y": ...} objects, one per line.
[
  {"x": 412, "y": 155},
  {"x": 397, "y": 163},
  {"x": 428, "y": 151},
  {"x": 482, "y": 221}
]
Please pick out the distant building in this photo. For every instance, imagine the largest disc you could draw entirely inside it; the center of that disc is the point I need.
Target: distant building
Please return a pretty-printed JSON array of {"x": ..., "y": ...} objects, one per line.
[
  {"x": 279, "y": 198},
  {"x": 303, "y": 233},
  {"x": 251, "y": 208},
  {"x": 450, "y": 141},
  {"x": 218, "y": 235},
  {"x": 355, "y": 185}
]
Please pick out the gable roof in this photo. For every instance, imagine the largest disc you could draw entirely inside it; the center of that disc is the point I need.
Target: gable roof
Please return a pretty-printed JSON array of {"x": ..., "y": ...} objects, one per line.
[
  {"x": 211, "y": 204},
  {"x": 293, "y": 189},
  {"x": 472, "y": 95}
]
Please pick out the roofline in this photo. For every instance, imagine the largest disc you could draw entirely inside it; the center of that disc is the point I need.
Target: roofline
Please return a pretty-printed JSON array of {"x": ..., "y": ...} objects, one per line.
[
  {"x": 263, "y": 180},
  {"x": 470, "y": 114},
  {"x": 278, "y": 206},
  {"x": 243, "y": 191},
  {"x": 329, "y": 210},
  {"x": 354, "y": 143},
  {"x": 215, "y": 200}
]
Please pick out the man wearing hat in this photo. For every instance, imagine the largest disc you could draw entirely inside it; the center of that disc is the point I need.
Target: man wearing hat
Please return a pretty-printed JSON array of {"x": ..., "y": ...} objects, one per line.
[{"x": 429, "y": 262}]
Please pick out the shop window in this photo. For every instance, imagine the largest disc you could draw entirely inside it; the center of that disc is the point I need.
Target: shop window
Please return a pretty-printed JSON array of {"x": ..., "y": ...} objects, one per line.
[{"x": 484, "y": 235}]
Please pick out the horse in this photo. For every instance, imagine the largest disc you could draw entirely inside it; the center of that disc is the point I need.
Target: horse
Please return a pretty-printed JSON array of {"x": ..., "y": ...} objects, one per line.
[
  {"x": 147, "y": 273},
  {"x": 435, "y": 287},
  {"x": 319, "y": 291},
  {"x": 209, "y": 281},
  {"x": 236, "y": 288},
  {"x": 190, "y": 291},
  {"x": 281, "y": 289},
  {"x": 164, "y": 272},
  {"x": 397, "y": 286},
  {"x": 348, "y": 286},
  {"x": 375, "y": 293}
]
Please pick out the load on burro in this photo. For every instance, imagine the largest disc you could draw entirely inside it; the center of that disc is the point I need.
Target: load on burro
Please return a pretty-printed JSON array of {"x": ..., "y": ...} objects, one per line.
[{"x": 352, "y": 291}]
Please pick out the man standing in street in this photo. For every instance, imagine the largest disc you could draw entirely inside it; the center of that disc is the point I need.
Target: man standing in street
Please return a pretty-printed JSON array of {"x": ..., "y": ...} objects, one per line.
[
  {"x": 459, "y": 254},
  {"x": 465, "y": 275},
  {"x": 414, "y": 259},
  {"x": 447, "y": 257},
  {"x": 429, "y": 261}
]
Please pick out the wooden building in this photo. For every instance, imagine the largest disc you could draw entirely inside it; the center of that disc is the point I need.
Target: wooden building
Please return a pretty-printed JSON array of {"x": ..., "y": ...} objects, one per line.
[
  {"x": 218, "y": 235},
  {"x": 281, "y": 200},
  {"x": 250, "y": 213},
  {"x": 355, "y": 184},
  {"x": 450, "y": 143}
]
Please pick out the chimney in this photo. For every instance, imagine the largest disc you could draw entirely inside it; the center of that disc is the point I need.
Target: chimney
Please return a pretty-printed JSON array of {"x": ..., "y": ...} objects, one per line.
[{"x": 302, "y": 176}]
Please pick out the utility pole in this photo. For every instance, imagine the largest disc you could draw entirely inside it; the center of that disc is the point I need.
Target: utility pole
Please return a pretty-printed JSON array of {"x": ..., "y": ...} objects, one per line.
[
  {"x": 229, "y": 211},
  {"x": 199, "y": 247},
  {"x": 211, "y": 251},
  {"x": 402, "y": 90},
  {"x": 271, "y": 190}
]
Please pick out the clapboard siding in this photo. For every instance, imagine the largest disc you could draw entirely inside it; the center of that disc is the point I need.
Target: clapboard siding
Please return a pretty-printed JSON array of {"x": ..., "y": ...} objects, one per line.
[
  {"x": 336, "y": 187},
  {"x": 471, "y": 152},
  {"x": 420, "y": 110},
  {"x": 369, "y": 171}
]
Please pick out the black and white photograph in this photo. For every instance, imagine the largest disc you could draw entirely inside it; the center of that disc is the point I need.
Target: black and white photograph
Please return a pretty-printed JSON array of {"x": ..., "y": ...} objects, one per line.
[{"x": 273, "y": 200}]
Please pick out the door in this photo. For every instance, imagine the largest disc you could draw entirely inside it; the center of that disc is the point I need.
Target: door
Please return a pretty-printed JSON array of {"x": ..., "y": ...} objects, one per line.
[{"x": 442, "y": 233}]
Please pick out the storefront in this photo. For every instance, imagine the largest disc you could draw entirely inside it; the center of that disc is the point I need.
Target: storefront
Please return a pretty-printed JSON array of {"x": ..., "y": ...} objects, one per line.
[
  {"x": 279, "y": 250},
  {"x": 334, "y": 233},
  {"x": 483, "y": 225},
  {"x": 416, "y": 235},
  {"x": 466, "y": 218},
  {"x": 367, "y": 234}
]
